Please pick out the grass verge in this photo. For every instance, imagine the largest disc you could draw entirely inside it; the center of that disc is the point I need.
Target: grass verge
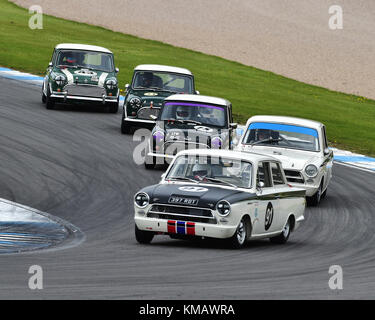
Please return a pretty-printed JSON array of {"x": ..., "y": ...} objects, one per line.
[{"x": 350, "y": 119}]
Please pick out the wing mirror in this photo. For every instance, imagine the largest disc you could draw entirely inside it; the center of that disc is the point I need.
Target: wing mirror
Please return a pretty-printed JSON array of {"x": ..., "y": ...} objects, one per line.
[
  {"x": 260, "y": 185},
  {"x": 233, "y": 125},
  {"x": 197, "y": 92},
  {"x": 163, "y": 175},
  {"x": 50, "y": 65},
  {"x": 127, "y": 86},
  {"x": 117, "y": 70},
  {"x": 327, "y": 151},
  {"x": 153, "y": 117}
]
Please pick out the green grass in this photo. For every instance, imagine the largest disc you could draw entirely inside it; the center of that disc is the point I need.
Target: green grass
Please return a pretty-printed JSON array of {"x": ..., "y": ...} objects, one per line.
[{"x": 349, "y": 119}]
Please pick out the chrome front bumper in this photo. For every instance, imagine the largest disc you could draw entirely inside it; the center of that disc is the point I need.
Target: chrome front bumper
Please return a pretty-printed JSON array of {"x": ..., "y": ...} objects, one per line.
[
  {"x": 65, "y": 97},
  {"x": 200, "y": 229}
]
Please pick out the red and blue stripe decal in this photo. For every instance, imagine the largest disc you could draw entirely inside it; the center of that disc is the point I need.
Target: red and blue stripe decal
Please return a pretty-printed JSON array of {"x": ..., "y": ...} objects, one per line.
[{"x": 181, "y": 227}]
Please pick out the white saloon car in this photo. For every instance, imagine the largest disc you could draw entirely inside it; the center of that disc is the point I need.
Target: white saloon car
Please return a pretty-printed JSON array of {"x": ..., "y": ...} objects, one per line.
[
  {"x": 226, "y": 194},
  {"x": 302, "y": 147}
]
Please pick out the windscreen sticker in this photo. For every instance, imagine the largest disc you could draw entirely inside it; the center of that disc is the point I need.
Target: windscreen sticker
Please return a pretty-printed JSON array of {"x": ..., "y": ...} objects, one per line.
[{"x": 283, "y": 127}]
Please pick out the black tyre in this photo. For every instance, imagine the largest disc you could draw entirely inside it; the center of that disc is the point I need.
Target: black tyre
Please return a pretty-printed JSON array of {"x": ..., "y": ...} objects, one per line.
[
  {"x": 150, "y": 162},
  {"x": 124, "y": 128},
  {"x": 50, "y": 102},
  {"x": 238, "y": 240},
  {"x": 113, "y": 107},
  {"x": 284, "y": 235},
  {"x": 143, "y": 237},
  {"x": 315, "y": 199},
  {"x": 44, "y": 98}
]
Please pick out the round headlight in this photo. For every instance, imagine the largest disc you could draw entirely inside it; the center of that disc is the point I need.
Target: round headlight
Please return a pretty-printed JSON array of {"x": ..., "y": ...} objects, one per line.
[
  {"x": 223, "y": 208},
  {"x": 311, "y": 171},
  {"x": 158, "y": 136},
  {"x": 111, "y": 84},
  {"x": 60, "y": 80},
  {"x": 216, "y": 143},
  {"x": 142, "y": 200},
  {"x": 135, "y": 102}
]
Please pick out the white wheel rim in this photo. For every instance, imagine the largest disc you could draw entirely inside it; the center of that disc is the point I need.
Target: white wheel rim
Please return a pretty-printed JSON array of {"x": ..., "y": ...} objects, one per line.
[
  {"x": 241, "y": 233},
  {"x": 286, "y": 229}
]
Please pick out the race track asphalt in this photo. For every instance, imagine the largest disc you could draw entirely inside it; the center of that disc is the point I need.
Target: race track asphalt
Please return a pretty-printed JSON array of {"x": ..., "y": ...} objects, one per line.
[{"x": 76, "y": 165}]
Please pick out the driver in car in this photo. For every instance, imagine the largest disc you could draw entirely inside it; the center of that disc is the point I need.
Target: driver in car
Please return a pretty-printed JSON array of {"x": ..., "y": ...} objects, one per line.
[
  {"x": 201, "y": 171},
  {"x": 263, "y": 134},
  {"x": 147, "y": 79},
  {"x": 69, "y": 58},
  {"x": 183, "y": 113}
]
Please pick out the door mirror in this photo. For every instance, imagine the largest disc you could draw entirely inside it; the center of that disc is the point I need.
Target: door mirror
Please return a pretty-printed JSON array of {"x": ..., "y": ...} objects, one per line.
[
  {"x": 260, "y": 185},
  {"x": 127, "y": 86},
  {"x": 233, "y": 125},
  {"x": 153, "y": 117},
  {"x": 327, "y": 151},
  {"x": 163, "y": 175},
  {"x": 117, "y": 70},
  {"x": 50, "y": 65},
  {"x": 197, "y": 92}
]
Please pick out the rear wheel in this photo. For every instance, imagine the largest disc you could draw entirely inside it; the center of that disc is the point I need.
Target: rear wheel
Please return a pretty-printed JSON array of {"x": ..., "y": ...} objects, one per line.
[
  {"x": 144, "y": 237},
  {"x": 113, "y": 107},
  {"x": 284, "y": 236},
  {"x": 238, "y": 240}
]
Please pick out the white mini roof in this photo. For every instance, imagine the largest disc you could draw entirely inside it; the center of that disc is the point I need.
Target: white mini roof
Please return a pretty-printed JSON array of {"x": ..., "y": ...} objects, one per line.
[
  {"x": 76, "y": 46},
  {"x": 198, "y": 98},
  {"x": 157, "y": 67},
  {"x": 286, "y": 120},
  {"x": 237, "y": 155}
]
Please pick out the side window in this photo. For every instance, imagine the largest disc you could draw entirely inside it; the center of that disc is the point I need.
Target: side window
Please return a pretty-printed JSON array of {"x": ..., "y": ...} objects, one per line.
[
  {"x": 264, "y": 174},
  {"x": 277, "y": 175},
  {"x": 53, "y": 58},
  {"x": 325, "y": 141}
]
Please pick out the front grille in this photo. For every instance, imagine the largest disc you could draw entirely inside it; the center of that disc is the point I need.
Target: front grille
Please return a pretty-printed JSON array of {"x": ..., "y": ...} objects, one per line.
[
  {"x": 146, "y": 113},
  {"x": 85, "y": 90},
  {"x": 173, "y": 147},
  {"x": 168, "y": 212},
  {"x": 294, "y": 176}
]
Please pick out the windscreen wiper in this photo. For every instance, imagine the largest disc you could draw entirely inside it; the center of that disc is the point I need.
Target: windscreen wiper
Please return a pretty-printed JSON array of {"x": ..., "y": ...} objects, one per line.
[
  {"x": 221, "y": 181},
  {"x": 183, "y": 179},
  {"x": 190, "y": 121},
  {"x": 266, "y": 140}
]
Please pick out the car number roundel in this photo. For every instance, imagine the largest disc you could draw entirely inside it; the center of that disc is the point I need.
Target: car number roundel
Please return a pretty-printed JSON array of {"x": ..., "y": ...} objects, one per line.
[{"x": 193, "y": 189}]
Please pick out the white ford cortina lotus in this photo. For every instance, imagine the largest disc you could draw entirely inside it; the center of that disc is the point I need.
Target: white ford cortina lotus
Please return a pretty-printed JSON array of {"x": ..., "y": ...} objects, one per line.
[
  {"x": 302, "y": 147},
  {"x": 226, "y": 194}
]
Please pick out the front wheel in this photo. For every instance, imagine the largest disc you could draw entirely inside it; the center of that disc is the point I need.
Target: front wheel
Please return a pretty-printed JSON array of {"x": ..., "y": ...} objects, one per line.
[
  {"x": 44, "y": 98},
  {"x": 124, "y": 128},
  {"x": 143, "y": 237},
  {"x": 150, "y": 161},
  {"x": 284, "y": 236},
  {"x": 239, "y": 238},
  {"x": 50, "y": 102},
  {"x": 315, "y": 199}
]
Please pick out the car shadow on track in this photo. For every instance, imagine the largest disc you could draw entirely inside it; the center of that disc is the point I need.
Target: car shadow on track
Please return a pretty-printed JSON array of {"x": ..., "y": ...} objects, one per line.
[
  {"x": 81, "y": 108},
  {"x": 213, "y": 244}
]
